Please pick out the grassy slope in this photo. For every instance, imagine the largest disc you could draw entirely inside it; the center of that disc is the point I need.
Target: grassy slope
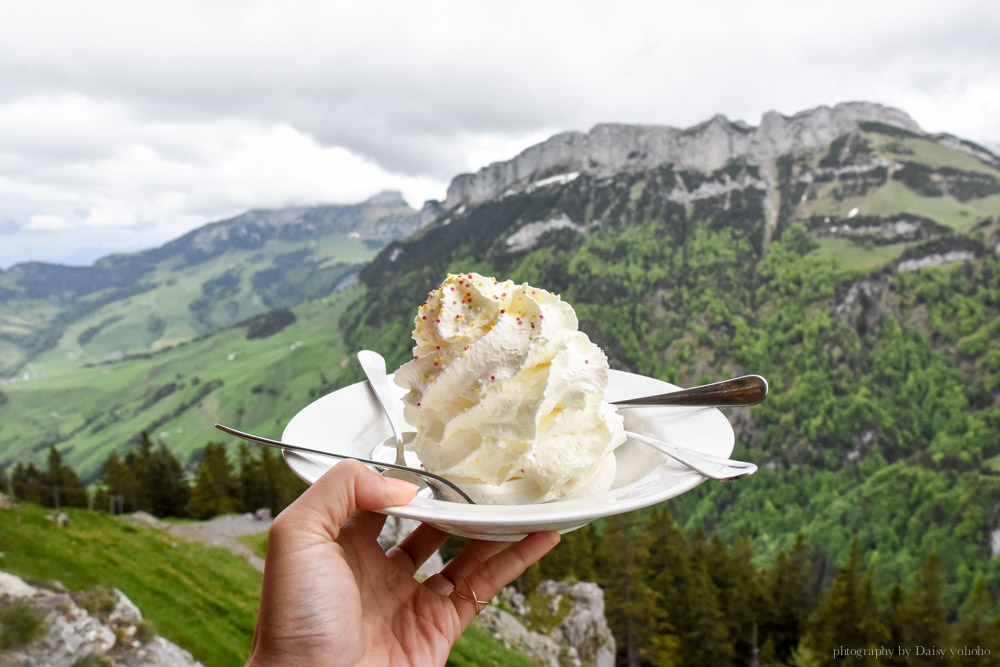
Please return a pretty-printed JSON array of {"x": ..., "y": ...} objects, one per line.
[
  {"x": 264, "y": 384},
  {"x": 202, "y": 599},
  {"x": 894, "y": 197},
  {"x": 205, "y": 600},
  {"x": 127, "y": 323}
]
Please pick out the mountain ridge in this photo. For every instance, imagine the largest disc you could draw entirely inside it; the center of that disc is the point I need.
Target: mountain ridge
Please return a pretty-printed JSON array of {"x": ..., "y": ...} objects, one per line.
[{"x": 708, "y": 146}]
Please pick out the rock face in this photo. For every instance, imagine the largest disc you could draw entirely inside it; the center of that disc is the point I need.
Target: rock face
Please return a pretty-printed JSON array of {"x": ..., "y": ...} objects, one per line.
[
  {"x": 71, "y": 633},
  {"x": 579, "y": 633},
  {"x": 611, "y": 148}
]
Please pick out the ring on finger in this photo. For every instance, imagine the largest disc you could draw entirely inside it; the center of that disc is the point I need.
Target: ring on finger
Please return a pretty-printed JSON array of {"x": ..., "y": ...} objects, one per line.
[{"x": 480, "y": 605}]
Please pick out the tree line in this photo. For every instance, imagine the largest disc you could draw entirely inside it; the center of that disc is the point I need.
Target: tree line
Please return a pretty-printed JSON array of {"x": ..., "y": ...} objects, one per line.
[
  {"x": 673, "y": 597},
  {"x": 676, "y": 598},
  {"x": 150, "y": 478}
]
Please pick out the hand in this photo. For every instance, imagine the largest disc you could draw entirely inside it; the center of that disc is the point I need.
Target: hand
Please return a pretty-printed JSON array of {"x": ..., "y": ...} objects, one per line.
[{"x": 331, "y": 596}]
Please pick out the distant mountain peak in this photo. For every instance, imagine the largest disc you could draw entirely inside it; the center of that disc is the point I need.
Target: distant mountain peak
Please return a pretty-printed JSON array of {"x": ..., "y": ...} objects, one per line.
[
  {"x": 707, "y": 146},
  {"x": 387, "y": 197}
]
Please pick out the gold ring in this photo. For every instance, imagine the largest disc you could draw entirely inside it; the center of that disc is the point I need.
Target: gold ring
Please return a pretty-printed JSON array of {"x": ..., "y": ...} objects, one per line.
[{"x": 480, "y": 605}]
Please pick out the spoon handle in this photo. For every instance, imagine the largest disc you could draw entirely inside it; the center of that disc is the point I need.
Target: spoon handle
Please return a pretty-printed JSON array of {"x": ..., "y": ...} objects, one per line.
[
  {"x": 435, "y": 480},
  {"x": 714, "y": 467},
  {"x": 373, "y": 365},
  {"x": 744, "y": 390}
]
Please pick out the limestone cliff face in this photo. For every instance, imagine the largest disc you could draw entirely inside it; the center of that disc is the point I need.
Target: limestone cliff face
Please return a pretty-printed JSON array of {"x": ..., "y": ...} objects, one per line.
[{"x": 612, "y": 148}]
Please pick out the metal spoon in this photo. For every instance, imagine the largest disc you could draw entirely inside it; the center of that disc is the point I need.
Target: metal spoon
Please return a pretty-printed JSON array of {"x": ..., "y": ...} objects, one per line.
[
  {"x": 714, "y": 467},
  {"x": 744, "y": 390},
  {"x": 441, "y": 488},
  {"x": 373, "y": 365}
]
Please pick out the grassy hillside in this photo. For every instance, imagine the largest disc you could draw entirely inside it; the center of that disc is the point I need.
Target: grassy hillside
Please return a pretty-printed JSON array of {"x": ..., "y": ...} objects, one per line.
[
  {"x": 253, "y": 383},
  {"x": 204, "y": 600},
  {"x": 54, "y": 317},
  {"x": 178, "y": 303}
]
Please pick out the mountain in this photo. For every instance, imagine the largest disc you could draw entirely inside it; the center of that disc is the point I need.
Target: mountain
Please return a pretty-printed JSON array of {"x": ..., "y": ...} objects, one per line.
[
  {"x": 844, "y": 253},
  {"x": 53, "y": 315},
  {"x": 610, "y": 149}
]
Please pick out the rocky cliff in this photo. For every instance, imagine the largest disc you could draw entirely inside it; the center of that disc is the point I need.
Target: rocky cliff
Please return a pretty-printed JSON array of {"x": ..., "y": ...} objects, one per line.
[
  {"x": 614, "y": 148},
  {"x": 94, "y": 627},
  {"x": 562, "y": 625}
]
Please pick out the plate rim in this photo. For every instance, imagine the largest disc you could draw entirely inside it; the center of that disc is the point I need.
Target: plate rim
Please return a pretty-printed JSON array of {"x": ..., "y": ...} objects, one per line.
[{"x": 521, "y": 518}]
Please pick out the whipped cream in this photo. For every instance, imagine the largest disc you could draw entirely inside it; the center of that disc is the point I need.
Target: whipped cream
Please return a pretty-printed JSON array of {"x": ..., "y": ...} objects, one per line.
[{"x": 504, "y": 387}]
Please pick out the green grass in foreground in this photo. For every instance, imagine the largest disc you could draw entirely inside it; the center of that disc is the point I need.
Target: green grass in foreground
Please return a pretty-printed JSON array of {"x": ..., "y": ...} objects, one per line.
[{"x": 203, "y": 599}]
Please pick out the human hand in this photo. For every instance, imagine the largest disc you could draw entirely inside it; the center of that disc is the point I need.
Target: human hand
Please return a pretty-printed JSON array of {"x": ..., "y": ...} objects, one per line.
[{"x": 331, "y": 596}]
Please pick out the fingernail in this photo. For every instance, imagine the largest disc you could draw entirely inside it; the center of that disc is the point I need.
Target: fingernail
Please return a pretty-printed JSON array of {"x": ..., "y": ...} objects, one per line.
[{"x": 402, "y": 484}]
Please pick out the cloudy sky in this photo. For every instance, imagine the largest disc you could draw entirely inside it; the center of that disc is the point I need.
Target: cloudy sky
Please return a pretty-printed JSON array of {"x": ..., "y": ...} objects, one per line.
[{"x": 125, "y": 124}]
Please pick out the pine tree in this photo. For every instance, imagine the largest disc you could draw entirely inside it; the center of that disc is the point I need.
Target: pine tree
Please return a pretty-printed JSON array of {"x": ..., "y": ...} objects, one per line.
[
  {"x": 573, "y": 558},
  {"x": 631, "y": 603},
  {"x": 166, "y": 485},
  {"x": 790, "y": 597},
  {"x": 922, "y": 615},
  {"x": 215, "y": 490},
  {"x": 119, "y": 479},
  {"x": 251, "y": 481},
  {"x": 846, "y": 616},
  {"x": 63, "y": 481},
  {"x": 690, "y": 626},
  {"x": 978, "y": 627},
  {"x": 137, "y": 461},
  {"x": 738, "y": 582},
  {"x": 283, "y": 487},
  {"x": 30, "y": 484}
]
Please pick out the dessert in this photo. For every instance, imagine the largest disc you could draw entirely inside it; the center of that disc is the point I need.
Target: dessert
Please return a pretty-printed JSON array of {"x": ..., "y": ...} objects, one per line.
[{"x": 505, "y": 393}]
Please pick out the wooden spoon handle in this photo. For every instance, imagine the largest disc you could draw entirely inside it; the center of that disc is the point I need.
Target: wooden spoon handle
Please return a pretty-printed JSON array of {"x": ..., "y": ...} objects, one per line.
[{"x": 744, "y": 390}]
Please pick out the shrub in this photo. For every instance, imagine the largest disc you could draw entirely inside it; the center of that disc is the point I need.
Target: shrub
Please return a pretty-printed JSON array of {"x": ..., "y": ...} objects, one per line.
[
  {"x": 99, "y": 601},
  {"x": 21, "y": 623}
]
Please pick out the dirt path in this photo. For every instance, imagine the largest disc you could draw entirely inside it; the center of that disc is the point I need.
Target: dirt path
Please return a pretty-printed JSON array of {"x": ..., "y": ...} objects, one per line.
[{"x": 221, "y": 531}]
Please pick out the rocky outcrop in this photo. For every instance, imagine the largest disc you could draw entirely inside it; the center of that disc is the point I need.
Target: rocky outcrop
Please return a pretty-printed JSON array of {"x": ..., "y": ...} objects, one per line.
[
  {"x": 574, "y": 632},
  {"x": 612, "y": 148},
  {"x": 901, "y": 228},
  {"x": 71, "y": 634}
]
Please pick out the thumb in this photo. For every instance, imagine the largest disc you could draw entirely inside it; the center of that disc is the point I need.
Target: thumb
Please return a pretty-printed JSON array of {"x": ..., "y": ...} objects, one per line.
[{"x": 347, "y": 487}]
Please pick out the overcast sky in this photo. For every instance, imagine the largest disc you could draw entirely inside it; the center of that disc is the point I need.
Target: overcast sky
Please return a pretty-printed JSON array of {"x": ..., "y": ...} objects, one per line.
[{"x": 125, "y": 124}]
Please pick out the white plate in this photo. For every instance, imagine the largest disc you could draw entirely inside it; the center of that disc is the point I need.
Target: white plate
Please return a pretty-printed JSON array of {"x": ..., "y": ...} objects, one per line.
[{"x": 350, "y": 421}]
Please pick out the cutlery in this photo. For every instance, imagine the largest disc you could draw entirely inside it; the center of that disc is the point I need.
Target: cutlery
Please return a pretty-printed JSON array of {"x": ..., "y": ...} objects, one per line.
[
  {"x": 713, "y": 467},
  {"x": 744, "y": 390},
  {"x": 441, "y": 488},
  {"x": 373, "y": 365}
]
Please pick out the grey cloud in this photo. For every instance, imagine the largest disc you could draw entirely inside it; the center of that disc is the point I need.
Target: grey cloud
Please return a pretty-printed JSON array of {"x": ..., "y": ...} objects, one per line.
[{"x": 417, "y": 89}]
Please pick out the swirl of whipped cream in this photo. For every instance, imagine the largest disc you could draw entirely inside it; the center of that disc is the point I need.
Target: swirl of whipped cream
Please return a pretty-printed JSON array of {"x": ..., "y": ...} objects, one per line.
[{"x": 503, "y": 386}]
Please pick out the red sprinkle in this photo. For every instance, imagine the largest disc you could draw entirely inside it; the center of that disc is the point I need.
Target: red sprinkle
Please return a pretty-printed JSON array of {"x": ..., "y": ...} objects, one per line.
[{"x": 586, "y": 361}]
